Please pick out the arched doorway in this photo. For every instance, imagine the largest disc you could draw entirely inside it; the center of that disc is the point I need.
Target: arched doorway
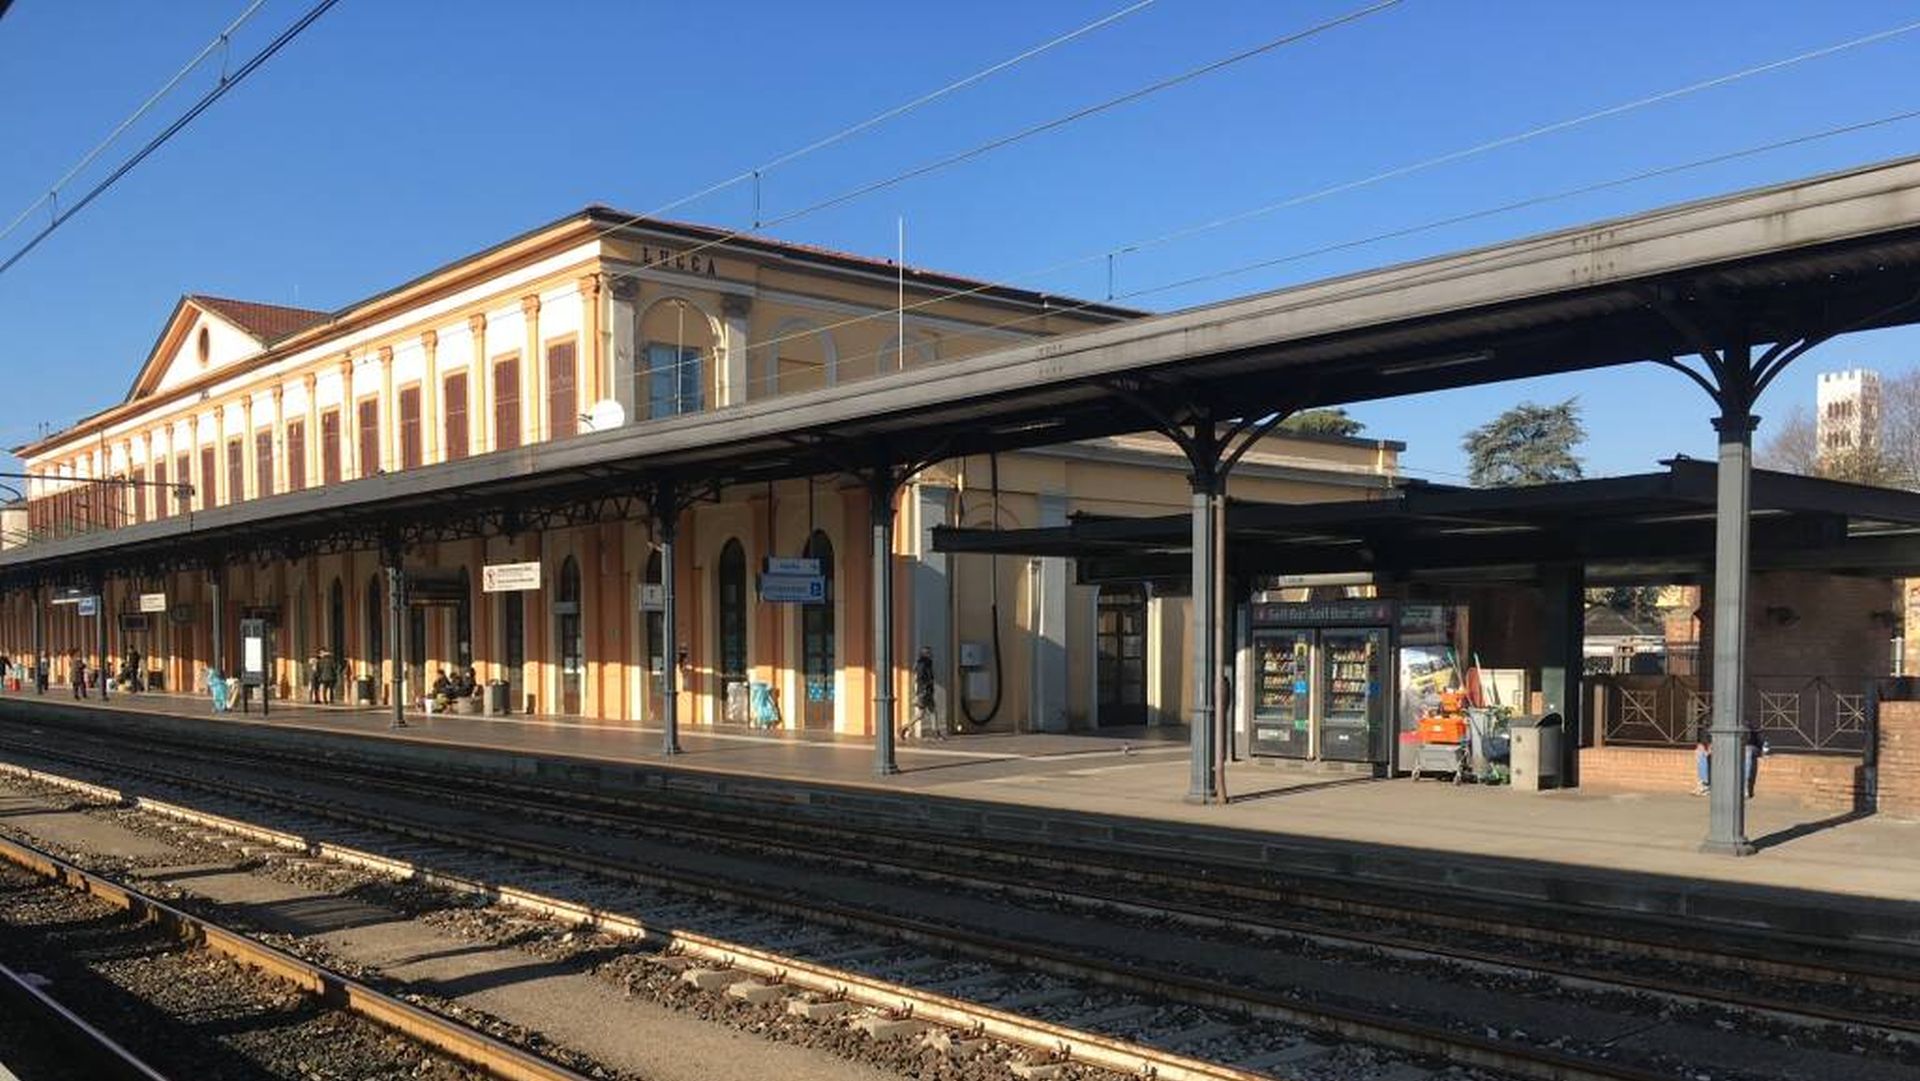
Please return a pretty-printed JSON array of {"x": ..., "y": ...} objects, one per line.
[
  {"x": 463, "y": 624},
  {"x": 730, "y": 653},
  {"x": 336, "y": 637},
  {"x": 1120, "y": 634},
  {"x": 654, "y": 641},
  {"x": 513, "y": 628},
  {"x": 567, "y": 634},
  {"x": 376, "y": 620},
  {"x": 818, "y": 656}
]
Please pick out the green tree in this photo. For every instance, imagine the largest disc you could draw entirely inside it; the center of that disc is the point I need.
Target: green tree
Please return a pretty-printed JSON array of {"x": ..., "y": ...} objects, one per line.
[
  {"x": 1322, "y": 422},
  {"x": 1528, "y": 444},
  {"x": 1639, "y": 601}
]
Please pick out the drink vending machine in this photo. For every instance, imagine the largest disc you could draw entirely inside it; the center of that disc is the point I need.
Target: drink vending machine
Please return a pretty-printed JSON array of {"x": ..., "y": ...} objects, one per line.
[{"x": 1329, "y": 679}]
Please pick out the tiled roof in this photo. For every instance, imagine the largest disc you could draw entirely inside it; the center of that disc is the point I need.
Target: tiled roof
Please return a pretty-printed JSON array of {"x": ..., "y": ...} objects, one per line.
[{"x": 267, "y": 322}]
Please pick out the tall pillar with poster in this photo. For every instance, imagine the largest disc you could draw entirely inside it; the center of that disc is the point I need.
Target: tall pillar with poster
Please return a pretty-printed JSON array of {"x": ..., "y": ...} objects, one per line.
[{"x": 256, "y": 660}]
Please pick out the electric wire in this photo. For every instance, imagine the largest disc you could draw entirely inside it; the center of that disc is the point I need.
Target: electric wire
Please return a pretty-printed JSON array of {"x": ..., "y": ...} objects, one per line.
[
  {"x": 1053, "y": 124},
  {"x": 1419, "y": 273},
  {"x": 897, "y": 111},
  {"x": 53, "y": 190},
  {"x": 1343, "y": 187},
  {"x": 239, "y": 76}
]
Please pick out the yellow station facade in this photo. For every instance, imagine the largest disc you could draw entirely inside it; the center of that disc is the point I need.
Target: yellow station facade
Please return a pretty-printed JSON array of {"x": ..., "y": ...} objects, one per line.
[{"x": 600, "y": 320}]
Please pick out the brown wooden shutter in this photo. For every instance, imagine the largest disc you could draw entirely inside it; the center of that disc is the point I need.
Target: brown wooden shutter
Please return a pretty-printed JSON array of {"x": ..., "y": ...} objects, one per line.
[
  {"x": 236, "y": 471},
  {"x": 563, "y": 404},
  {"x": 162, "y": 495},
  {"x": 506, "y": 404},
  {"x": 296, "y": 455},
  {"x": 263, "y": 463},
  {"x": 209, "y": 477},
  {"x": 182, "y": 476},
  {"x": 139, "y": 495},
  {"x": 410, "y": 447},
  {"x": 455, "y": 397},
  {"x": 330, "y": 447},
  {"x": 367, "y": 427}
]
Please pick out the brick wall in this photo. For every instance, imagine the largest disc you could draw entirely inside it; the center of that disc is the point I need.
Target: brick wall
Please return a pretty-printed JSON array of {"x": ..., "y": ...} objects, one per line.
[
  {"x": 1899, "y": 792},
  {"x": 1822, "y": 782}
]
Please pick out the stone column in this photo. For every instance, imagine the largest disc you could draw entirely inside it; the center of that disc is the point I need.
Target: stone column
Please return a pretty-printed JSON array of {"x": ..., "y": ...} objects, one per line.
[
  {"x": 590, "y": 363},
  {"x": 429, "y": 396},
  {"x": 349, "y": 446},
  {"x": 280, "y": 466},
  {"x": 733, "y": 373},
  {"x": 310, "y": 441},
  {"x": 193, "y": 462},
  {"x": 479, "y": 390},
  {"x": 389, "y": 413},
  {"x": 533, "y": 398},
  {"x": 249, "y": 481}
]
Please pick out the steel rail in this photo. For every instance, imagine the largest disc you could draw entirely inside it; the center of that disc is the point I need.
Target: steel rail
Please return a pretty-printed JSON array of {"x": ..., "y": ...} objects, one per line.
[
  {"x": 939, "y": 855},
  {"x": 1399, "y": 1034},
  {"x": 495, "y": 1058},
  {"x": 101, "y": 1051}
]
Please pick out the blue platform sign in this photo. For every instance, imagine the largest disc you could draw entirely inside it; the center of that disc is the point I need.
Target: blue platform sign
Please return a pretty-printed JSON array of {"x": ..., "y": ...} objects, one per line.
[
  {"x": 89, "y": 606},
  {"x": 793, "y": 588}
]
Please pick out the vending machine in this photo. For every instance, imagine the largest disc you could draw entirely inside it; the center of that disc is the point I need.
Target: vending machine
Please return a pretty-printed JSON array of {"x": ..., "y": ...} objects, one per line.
[
  {"x": 1320, "y": 679},
  {"x": 1282, "y": 693}
]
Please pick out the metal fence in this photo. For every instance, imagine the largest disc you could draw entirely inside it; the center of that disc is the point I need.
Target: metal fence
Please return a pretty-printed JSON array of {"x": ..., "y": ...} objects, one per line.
[{"x": 1819, "y": 714}]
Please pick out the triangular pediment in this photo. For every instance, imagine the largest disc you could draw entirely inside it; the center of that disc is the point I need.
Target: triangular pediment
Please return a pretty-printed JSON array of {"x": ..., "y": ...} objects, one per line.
[{"x": 207, "y": 334}]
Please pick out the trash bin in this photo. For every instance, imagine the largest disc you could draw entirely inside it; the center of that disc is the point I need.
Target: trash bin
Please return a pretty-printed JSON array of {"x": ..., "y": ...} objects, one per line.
[
  {"x": 363, "y": 691},
  {"x": 496, "y": 697},
  {"x": 1535, "y": 747},
  {"x": 157, "y": 680}
]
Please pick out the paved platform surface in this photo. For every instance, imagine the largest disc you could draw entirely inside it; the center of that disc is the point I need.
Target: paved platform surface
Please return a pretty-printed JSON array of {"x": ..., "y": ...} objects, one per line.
[{"x": 1126, "y": 790}]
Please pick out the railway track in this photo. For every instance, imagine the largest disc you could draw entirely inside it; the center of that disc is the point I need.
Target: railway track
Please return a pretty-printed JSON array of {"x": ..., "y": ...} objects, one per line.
[
  {"x": 85, "y": 1051},
  {"x": 491, "y": 1057},
  {"x": 1407, "y": 1037}
]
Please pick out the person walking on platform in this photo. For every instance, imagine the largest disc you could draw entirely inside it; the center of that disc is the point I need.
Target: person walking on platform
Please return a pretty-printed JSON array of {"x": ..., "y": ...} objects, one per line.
[
  {"x": 78, "y": 671},
  {"x": 313, "y": 679},
  {"x": 925, "y": 717},
  {"x": 329, "y": 675}
]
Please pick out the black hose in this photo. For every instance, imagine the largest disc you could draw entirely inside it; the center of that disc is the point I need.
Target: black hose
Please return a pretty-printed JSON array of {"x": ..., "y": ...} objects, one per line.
[{"x": 993, "y": 609}]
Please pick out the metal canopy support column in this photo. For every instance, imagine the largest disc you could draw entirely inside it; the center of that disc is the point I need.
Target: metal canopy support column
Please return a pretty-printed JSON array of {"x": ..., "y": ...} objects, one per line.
[
  {"x": 1564, "y": 590},
  {"x": 397, "y": 633},
  {"x": 39, "y": 637},
  {"x": 666, "y": 518},
  {"x": 216, "y": 575},
  {"x": 1727, "y": 810},
  {"x": 100, "y": 623},
  {"x": 882, "y": 486},
  {"x": 1213, "y": 446}
]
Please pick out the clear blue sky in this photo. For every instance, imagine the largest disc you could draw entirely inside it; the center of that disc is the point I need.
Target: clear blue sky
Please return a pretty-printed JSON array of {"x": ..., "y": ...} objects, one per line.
[{"x": 393, "y": 137}]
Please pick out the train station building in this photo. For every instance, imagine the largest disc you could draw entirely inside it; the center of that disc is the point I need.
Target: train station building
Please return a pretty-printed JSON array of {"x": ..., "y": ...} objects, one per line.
[{"x": 244, "y": 412}]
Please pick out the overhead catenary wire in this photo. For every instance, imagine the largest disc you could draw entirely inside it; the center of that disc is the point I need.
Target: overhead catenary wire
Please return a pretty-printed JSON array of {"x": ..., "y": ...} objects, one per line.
[
  {"x": 1416, "y": 274},
  {"x": 219, "y": 41},
  {"x": 1343, "y": 187},
  {"x": 977, "y": 150},
  {"x": 205, "y": 102}
]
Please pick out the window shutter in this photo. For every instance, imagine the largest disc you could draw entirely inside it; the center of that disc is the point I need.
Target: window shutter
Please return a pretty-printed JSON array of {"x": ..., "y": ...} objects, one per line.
[
  {"x": 563, "y": 403},
  {"x": 456, "y": 402}
]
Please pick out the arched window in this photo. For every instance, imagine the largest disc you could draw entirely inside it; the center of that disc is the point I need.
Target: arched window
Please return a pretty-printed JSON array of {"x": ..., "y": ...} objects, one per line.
[
  {"x": 730, "y": 583},
  {"x": 670, "y": 374},
  {"x": 337, "y": 621},
  {"x": 566, "y": 611},
  {"x": 817, "y": 652}
]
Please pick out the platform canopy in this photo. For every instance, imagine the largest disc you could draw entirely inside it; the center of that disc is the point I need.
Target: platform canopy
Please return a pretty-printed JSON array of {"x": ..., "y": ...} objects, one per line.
[
  {"x": 1792, "y": 262},
  {"x": 1647, "y": 527}
]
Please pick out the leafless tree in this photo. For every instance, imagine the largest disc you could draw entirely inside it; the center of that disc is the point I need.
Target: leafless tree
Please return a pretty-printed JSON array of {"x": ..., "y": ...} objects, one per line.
[{"x": 1794, "y": 446}]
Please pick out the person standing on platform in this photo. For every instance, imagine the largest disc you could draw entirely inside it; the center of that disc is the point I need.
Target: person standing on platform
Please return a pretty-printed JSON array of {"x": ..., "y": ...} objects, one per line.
[
  {"x": 925, "y": 716},
  {"x": 1756, "y": 745},
  {"x": 313, "y": 679},
  {"x": 78, "y": 670},
  {"x": 1702, "y": 762}
]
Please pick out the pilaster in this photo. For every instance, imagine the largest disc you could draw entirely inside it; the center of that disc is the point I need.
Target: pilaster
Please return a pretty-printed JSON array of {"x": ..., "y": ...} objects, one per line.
[
  {"x": 533, "y": 398},
  {"x": 429, "y": 397}
]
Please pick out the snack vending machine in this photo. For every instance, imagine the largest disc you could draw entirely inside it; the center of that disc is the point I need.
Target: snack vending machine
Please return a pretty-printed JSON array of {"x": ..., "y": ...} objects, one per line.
[{"x": 1320, "y": 679}]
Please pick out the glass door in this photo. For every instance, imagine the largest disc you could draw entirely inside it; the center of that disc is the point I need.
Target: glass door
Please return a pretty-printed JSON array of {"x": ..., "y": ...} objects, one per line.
[
  {"x": 1282, "y": 692},
  {"x": 1350, "y": 674}
]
